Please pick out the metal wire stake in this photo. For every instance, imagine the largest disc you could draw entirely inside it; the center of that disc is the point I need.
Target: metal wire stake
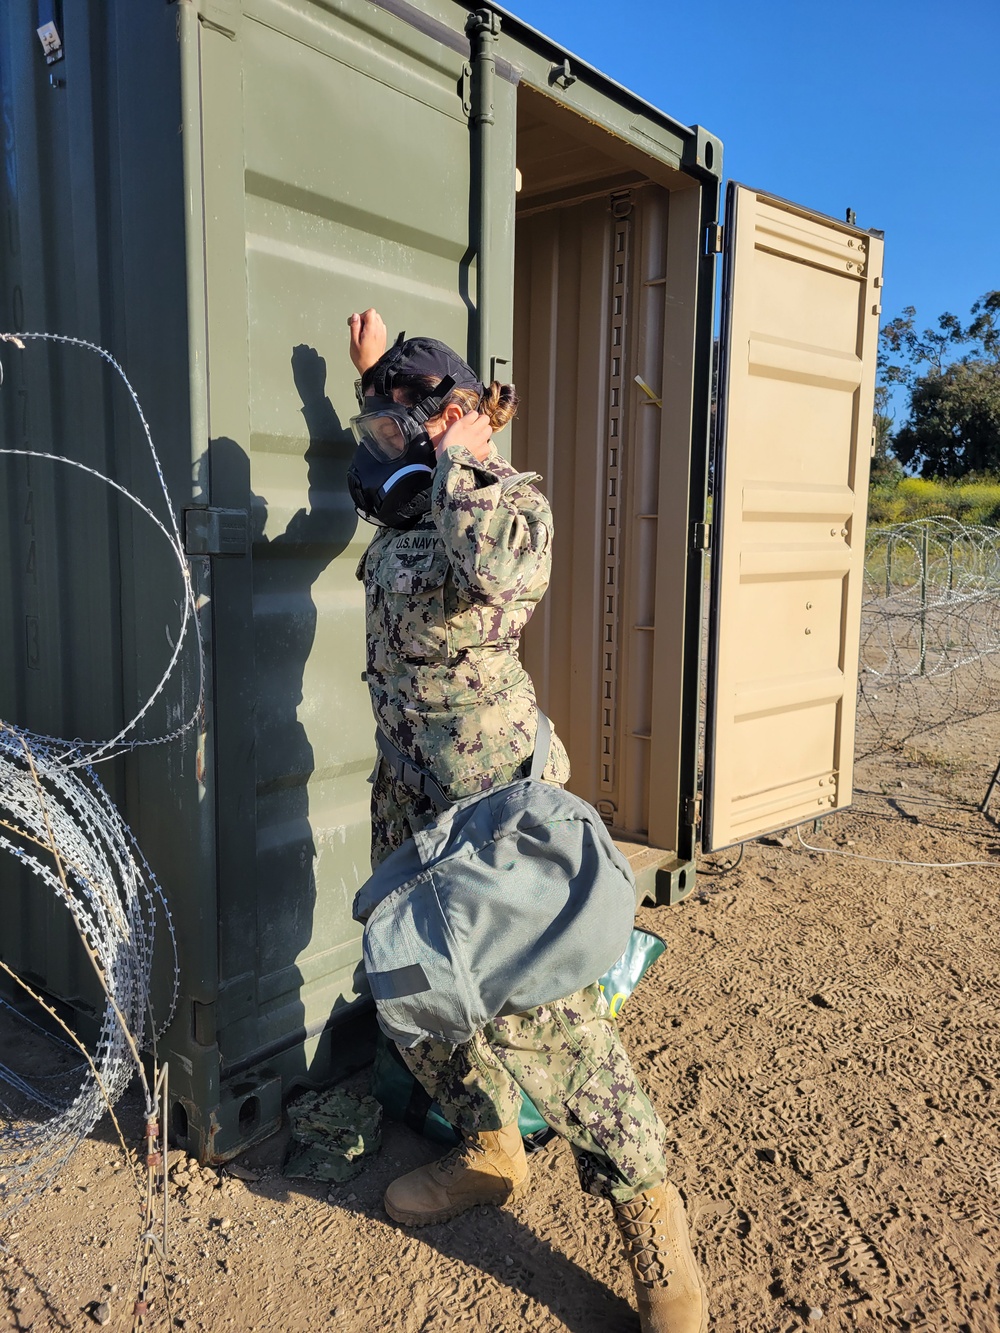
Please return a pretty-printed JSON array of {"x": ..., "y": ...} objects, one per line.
[
  {"x": 990, "y": 789},
  {"x": 162, "y": 1091}
]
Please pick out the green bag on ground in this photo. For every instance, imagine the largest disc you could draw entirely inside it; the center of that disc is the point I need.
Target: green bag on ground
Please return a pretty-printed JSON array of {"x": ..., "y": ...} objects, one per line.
[{"x": 403, "y": 1098}]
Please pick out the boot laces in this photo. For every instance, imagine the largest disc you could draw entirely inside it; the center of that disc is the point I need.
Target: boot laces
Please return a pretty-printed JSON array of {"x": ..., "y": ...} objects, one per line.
[
  {"x": 646, "y": 1251},
  {"x": 459, "y": 1156}
]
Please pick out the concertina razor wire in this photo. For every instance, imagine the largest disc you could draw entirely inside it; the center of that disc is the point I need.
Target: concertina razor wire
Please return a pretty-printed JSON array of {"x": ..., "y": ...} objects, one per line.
[
  {"x": 58, "y": 821},
  {"x": 930, "y": 629}
]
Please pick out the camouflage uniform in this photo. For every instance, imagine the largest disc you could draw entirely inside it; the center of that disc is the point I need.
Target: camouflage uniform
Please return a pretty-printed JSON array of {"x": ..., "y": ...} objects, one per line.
[{"x": 445, "y": 603}]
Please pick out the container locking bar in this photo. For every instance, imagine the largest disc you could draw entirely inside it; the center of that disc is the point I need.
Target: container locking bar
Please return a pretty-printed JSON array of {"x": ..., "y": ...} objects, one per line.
[
  {"x": 483, "y": 29},
  {"x": 216, "y": 531}
]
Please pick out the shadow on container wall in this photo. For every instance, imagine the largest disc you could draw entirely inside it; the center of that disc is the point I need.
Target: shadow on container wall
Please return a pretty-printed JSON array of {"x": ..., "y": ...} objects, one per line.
[{"x": 271, "y": 1005}]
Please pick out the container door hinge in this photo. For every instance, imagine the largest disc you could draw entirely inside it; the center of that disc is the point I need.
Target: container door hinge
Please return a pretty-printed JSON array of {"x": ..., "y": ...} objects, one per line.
[
  {"x": 713, "y": 238},
  {"x": 701, "y": 536},
  {"x": 48, "y": 32},
  {"x": 220, "y": 16},
  {"x": 216, "y": 531},
  {"x": 621, "y": 204},
  {"x": 692, "y": 811},
  {"x": 561, "y": 75}
]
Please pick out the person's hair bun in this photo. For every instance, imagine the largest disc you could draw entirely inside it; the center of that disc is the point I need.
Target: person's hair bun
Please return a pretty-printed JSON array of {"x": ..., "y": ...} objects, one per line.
[{"x": 499, "y": 404}]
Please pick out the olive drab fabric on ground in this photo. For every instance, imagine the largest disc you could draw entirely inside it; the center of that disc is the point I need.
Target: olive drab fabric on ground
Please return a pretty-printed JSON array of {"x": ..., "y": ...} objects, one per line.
[
  {"x": 446, "y": 602},
  {"x": 569, "y": 1060},
  {"x": 334, "y": 1135}
]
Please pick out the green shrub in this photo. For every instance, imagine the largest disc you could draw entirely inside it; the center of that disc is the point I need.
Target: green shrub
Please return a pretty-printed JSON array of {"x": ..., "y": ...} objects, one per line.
[{"x": 972, "y": 499}]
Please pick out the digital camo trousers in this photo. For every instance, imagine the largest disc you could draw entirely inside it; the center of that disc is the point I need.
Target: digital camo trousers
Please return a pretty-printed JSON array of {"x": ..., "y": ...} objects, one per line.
[
  {"x": 569, "y": 1060},
  {"x": 566, "y": 1056}
]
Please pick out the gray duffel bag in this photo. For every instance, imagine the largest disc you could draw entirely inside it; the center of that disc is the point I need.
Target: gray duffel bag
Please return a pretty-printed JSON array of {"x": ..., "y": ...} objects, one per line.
[{"x": 515, "y": 897}]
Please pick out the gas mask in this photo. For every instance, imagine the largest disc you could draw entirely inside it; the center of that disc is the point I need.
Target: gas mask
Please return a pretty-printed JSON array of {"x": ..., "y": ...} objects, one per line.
[{"x": 393, "y": 466}]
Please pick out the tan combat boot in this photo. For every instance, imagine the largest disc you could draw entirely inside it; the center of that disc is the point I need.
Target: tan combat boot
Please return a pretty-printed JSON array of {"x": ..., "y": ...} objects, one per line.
[
  {"x": 489, "y": 1167},
  {"x": 668, "y": 1286}
]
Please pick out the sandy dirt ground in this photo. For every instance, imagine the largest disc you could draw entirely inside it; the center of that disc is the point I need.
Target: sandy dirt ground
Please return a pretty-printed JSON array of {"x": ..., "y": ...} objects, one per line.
[{"x": 822, "y": 1039}]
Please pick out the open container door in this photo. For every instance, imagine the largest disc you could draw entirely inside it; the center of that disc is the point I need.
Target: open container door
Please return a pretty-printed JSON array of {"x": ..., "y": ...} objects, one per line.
[{"x": 796, "y": 387}]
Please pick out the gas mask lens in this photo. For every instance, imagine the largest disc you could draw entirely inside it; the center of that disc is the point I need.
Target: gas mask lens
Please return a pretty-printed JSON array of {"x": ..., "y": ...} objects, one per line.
[
  {"x": 383, "y": 436},
  {"x": 387, "y": 428},
  {"x": 390, "y": 475}
]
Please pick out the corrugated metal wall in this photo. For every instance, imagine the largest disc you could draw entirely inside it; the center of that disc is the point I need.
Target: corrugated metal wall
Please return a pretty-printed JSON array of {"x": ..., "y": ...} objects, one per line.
[
  {"x": 90, "y": 592},
  {"x": 323, "y": 166},
  {"x": 303, "y": 225},
  {"x": 571, "y": 160},
  {"x": 589, "y": 316},
  {"x": 612, "y": 282},
  {"x": 562, "y": 357}
]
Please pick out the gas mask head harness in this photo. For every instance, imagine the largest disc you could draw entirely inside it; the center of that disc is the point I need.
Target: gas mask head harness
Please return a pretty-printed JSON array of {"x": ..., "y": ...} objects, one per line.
[{"x": 393, "y": 466}]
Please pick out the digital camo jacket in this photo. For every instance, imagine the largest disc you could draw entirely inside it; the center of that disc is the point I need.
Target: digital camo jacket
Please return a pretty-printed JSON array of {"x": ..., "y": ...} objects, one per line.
[{"x": 446, "y": 602}]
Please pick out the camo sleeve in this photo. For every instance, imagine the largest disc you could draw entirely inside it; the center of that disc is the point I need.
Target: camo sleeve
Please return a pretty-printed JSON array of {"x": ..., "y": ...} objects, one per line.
[{"x": 495, "y": 525}]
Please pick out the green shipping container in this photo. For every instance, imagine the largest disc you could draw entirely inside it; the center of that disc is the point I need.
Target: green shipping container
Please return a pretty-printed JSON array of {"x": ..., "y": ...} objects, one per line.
[{"x": 208, "y": 188}]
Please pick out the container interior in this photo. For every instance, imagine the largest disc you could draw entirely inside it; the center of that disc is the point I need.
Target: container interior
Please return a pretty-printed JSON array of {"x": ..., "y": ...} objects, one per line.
[{"x": 598, "y": 226}]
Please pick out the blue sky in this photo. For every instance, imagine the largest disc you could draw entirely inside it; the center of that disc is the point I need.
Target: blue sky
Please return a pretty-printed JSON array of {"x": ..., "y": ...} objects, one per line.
[{"x": 892, "y": 109}]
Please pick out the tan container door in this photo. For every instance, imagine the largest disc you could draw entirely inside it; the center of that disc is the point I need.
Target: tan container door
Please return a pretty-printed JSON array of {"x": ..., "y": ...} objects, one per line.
[{"x": 796, "y": 385}]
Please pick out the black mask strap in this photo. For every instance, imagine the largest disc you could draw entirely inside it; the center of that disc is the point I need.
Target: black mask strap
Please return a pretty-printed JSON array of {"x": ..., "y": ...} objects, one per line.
[
  {"x": 382, "y": 379},
  {"x": 433, "y": 401}
]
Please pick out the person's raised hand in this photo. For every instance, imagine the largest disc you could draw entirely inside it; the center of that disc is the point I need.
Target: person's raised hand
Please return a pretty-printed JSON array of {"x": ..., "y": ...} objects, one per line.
[
  {"x": 473, "y": 431},
  {"x": 368, "y": 339}
]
